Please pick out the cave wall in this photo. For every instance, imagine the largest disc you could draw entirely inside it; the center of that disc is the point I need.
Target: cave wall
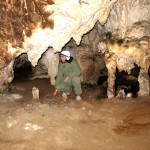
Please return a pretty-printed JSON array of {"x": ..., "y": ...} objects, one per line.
[
  {"x": 32, "y": 27},
  {"x": 129, "y": 43},
  {"x": 125, "y": 13},
  {"x": 129, "y": 21},
  {"x": 90, "y": 61}
]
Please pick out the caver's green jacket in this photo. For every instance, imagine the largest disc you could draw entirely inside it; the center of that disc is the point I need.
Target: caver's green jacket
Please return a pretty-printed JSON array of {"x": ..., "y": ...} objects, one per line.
[{"x": 72, "y": 70}]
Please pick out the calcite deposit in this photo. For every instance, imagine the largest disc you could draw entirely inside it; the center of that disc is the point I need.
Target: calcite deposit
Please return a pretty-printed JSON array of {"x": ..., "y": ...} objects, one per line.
[
  {"x": 125, "y": 13},
  {"x": 124, "y": 54},
  {"x": 47, "y": 66}
]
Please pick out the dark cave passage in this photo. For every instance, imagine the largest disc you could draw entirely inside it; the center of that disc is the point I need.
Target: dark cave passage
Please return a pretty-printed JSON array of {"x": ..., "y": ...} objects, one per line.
[
  {"x": 22, "y": 73},
  {"x": 22, "y": 67},
  {"x": 128, "y": 82}
]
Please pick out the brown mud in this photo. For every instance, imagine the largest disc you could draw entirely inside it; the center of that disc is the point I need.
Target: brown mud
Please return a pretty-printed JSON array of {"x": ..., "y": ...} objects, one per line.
[{"x": 95, "y": 123}]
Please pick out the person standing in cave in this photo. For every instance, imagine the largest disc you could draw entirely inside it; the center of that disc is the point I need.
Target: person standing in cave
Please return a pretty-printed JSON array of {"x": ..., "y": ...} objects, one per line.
[{"x": 68, "y": 75}]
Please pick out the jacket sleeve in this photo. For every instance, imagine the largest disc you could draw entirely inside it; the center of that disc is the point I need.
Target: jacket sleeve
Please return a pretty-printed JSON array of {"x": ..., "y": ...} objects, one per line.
[
  {"x": 59, "y": 76},
  {"x": 76, "y": 71}
]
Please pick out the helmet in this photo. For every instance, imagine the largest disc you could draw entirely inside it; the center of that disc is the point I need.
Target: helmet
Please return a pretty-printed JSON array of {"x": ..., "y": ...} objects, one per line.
[{"x": 66, "y": 53}]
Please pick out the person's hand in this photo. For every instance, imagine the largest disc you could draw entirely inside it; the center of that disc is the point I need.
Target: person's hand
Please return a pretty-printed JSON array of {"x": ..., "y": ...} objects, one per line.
[
  {"x": 55, "y": 92},
  {"x": 66, "y": 79}
]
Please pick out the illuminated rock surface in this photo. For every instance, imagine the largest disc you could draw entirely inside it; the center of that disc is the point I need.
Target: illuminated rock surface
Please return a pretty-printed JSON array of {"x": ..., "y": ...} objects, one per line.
[{"x": 32, "y": 27}]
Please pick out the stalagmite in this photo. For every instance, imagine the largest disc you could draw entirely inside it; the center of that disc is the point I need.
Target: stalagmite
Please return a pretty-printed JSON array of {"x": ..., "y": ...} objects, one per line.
[
  {"x": 110, "y": 60},
  {"x": 35, "y": 94},
  {"x": 144, "y": 83}
]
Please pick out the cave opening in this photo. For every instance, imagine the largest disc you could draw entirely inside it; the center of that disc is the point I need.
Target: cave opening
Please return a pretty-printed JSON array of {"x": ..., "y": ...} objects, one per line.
[
  {"x": 26, "y": 77},
  {"x": 127, "y": 82},
  {"x": 22, "y": 67}
]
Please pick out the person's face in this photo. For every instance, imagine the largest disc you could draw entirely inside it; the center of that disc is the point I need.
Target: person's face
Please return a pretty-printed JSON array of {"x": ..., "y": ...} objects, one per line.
[{"x": 63, "y": 58}]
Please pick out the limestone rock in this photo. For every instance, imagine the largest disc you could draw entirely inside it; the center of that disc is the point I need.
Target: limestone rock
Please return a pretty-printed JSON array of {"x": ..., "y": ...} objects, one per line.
[
  {"x": 138, "y": 30},
  {"x": 7, "y": 75},
  {"x": 47, "y": 66},
  {"x": 125, "y": 13},
  {"x": 134, "y": 49}
]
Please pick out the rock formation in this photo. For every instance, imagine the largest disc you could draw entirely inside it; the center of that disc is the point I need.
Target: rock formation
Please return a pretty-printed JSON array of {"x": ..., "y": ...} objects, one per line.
[
  {"x": 31, "y": 27},
  {"x": 128, "y": 20},
  {"x": 125, "y": 55},
  {"x": 47, "y": 66}
]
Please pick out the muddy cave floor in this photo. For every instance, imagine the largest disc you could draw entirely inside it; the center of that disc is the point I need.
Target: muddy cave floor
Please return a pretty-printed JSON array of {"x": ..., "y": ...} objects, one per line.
[{"x": 95, "y": 123}]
